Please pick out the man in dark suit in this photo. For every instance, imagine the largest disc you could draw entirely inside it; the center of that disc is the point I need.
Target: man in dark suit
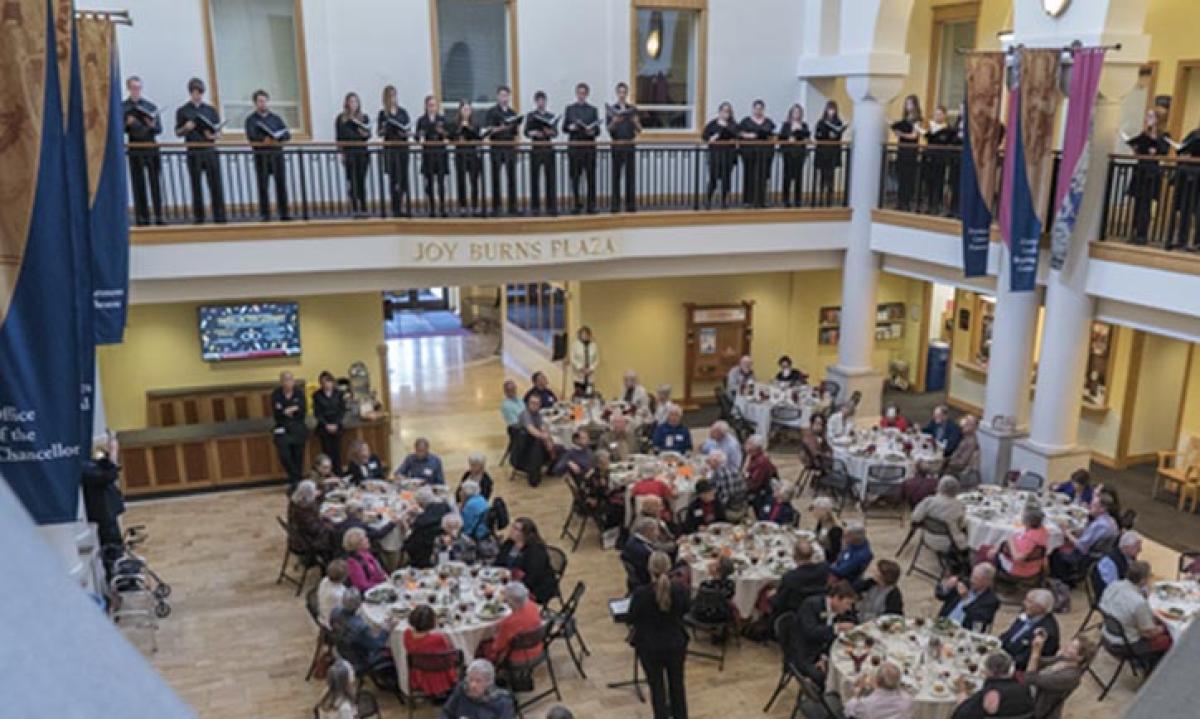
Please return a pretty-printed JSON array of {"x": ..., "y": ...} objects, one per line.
[
  {"x": 363, "y": 464},
  {"x": 638, "y": 549},
  {"x": 944, "y": 429},
  {"x": 972, "y": 603},
  {"x": 818, "y": 622},
  {"x": 806, "y": 579},
  {"x": 289, "y": 408},
  {"x": 1038, "y": 615},
  {"x": 1000, "y": 696},
  {"x": 425, "y": 529}
]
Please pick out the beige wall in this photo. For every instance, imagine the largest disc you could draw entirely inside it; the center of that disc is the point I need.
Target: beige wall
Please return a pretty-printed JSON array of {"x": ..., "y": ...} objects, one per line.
[
  {"x": 1160, "y": 381},
  {"x": 1190, "y": 419}
]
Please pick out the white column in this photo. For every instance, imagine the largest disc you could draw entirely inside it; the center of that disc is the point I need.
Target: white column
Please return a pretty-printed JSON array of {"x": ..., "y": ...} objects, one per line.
[{"x": 860, "y": 273}]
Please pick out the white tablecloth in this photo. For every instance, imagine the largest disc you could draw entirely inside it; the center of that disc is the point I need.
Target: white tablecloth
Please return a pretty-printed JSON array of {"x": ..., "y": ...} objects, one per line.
[
  {"x": 888, "y": 450},
  {"x": 757, "y": 406},
  {"x": 565, "y": 417},
  {"x": 626, "y": 474},
  {"x": 994, "y": 514},
  {"x": 1176, "y": 604},
  {"x": 383, "y": 501}
]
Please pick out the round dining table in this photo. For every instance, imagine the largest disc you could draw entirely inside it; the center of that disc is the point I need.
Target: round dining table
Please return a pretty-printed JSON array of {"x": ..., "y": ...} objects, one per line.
[
  {"x": 994, "y": 514},
  {"x": 757, "y": 402},
  {"x": 680, "y": 473},
  {"x": 1176, "y": 604},
  {"x": 382, "y": 501},
  {"x": 564, "y": 418},
  {"x": 866, "y": 448}
]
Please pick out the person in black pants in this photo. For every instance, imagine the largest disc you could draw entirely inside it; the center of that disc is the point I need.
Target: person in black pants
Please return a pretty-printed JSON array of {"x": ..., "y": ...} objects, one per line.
[
  {"x": 329, "y": 410},
  {"x": 394, "y": 127},
  {"x": 267, "y": 131},
  {"x": 541, "y": 129},
  {"x": 793, "y": 146},
  {"x": 1187, "y": 192},
  {"x": 721, "y": 136},
  {"x": 468, "y": 163},
  {"x": 1150, "y": 144},
  {"x": 756, "y": 157},
  {"x": 353, "y": 129},
  {"x": 435, "y": 163},
  {"x": 660, "y": 639},
  {"x": 102, "y": 500},
  {"x": 827, "y": 158},
  {"x": 908, "y": 131},
  {"x": 623, "y": 128},
  {"x": 289, "y": 408},
  {"x": 503, "y": 122},
  {"x": 582, "y": 124},
  {"x": 199, "y": 125},
  {"x": 143, "y": 125}
]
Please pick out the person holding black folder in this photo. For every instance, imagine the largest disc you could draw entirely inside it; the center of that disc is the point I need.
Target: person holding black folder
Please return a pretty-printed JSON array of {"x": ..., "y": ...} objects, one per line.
[
  {"x": 142, "y": 127},
  {"x": 503, "y": 122},
  {"x": 393, "y": 126},
  {"x": 623, "y": 128},
  {"x": 582, "y": 124},
  {"x": 288, "y": 409},
  {"x": 431, "y": 131},
  {"x": 939, "y": 153},
  {"x": 660, "y": 637},
  {"x": 329, "y": 410},
  {"x": 721, "y": 135},
  {"x": 266, "y": 131},
  {"x": 541, "y": 127},
  {"x": 908, "y": 130},
  {"x": 1187, "y": 192},
  {"x": 793, "y": 147},
  {"x": 827, "y": 158},
  {"x": 1150, "y": 144},
  {"x": 199, "y": 125},
  {"x": 468, "y": 164},
  {"x": 757, "y": 154},
  {"x": 352, "y": 131}
]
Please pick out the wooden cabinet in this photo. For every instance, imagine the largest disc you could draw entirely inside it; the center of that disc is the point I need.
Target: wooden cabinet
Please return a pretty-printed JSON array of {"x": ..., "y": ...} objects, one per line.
[{"x": 210, "y": 405}]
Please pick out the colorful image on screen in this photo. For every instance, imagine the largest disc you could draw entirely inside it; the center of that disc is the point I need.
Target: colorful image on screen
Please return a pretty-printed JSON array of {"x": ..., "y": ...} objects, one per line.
[{"x": 249, "y": 331}]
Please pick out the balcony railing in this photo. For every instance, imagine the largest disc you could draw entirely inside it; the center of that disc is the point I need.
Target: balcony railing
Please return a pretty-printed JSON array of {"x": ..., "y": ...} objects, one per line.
[
  {"x": 361, "y": 180},
  {"x": 1153, "y": 201}
]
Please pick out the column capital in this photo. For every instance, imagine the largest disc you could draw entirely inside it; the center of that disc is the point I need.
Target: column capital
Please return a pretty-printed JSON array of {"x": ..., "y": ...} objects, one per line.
[{"x": 878, "y": 88}]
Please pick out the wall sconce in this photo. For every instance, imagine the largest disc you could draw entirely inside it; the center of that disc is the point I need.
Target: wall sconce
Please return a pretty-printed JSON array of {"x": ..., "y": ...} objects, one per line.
[{"x": 654, "y": 37}]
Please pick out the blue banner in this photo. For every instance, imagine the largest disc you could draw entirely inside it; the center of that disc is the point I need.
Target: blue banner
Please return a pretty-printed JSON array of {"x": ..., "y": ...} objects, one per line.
[
  {"x": 976, "y": 217},
  {"x": 1026, "y": 229},
  {"x": 109, "y": 224},
  {"x": 41, "y": 361}
]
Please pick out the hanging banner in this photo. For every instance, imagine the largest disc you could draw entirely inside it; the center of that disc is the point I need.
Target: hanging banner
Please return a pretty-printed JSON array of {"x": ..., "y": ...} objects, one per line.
[
  {"x": 41, "y": 377},
  {"x": 981, "y": 142},
  {"x": 1038, "y": 89},
  {"x": 1077, "y": 136},
  {"x": 108, "y": 216}
]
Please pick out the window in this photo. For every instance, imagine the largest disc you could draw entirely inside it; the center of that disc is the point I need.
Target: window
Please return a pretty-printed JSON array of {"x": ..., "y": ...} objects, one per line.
[
  {"x": 668, "y": 63},
  {"x": 953, "y": 29},
  {"x": 256, "y": 44},
  {"x": 474, "y": 46},
  {"x": 539, "y": 308}
]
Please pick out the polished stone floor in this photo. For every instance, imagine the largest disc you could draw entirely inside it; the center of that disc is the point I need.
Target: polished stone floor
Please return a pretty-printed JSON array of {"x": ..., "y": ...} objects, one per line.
[{"x": 238, "y": 645}]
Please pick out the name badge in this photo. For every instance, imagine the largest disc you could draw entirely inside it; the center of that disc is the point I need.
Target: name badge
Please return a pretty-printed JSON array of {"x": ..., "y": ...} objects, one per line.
[
  {"x": 670, "y": 441},
  {"x": 428, "y": 472}
]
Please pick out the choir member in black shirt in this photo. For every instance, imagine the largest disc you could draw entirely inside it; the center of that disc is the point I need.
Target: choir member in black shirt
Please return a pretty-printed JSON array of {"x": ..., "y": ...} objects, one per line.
[
  {"x": 721, "y": 135},
  {"x": 394, "y": 127},
  {"x": 198, "y": 124},
  {"x": 1149, "y": 145},
  {"x": 1187, "y": 192},
  {"x": 827, "y": 158},
  {"x": 142, "y": 126},
  {"x": 288, "y": 409},
  {"x": 908, "y": 131},
  {"x": 541, "y": 128},
  {"x": 266, "y": 131},
  {"x": 756, "y": 156},
  {"x": 353, "y": 129},
  {"x": 468, "y": 164},
  {"x": 793, "y": 146},
  {"x": 623, "y": 128},
  {"x": 329, "y": 410},
  {"x": 435, "y": 161},
  {"x": 939, "y": 154},
  {"x": 503, "y": 122},
  {"x": 582, "y": 123}
]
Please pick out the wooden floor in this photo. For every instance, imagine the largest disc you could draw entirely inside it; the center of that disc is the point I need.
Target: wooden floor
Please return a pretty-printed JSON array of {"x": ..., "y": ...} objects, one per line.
[{"x": 238, "y": 645}]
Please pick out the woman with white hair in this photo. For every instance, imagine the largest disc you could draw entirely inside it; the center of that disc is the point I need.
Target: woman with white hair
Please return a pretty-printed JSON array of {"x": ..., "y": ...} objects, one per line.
[
  {"x": 662, "y": 401},
  {"x": 841, "y": 421},
  {"x": 829, "y": 528},
  {"x": 304, "y": 517},
  {"x": 525, "y": 617},
  {"x": 777, "y": 507},
  {"x": 478, "y": 697},
  {"x": 425, "y": 528},
  {"x": 945, "y": 507},
  {"x": 474, "y": 508},
  {"x": 452, "y": 545},
  {"x": 477, "y": 473},
  {"x": 362, "y": 568},
  {"x": 340, "y": 700}
]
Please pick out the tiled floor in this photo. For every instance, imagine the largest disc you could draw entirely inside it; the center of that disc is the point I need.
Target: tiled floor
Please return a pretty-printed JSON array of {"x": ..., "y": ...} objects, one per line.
[{"x": 238, "y": 645}]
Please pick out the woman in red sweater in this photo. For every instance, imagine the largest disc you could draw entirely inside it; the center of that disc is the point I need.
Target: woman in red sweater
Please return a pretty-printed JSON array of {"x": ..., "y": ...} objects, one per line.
[{"x": 420, "y": 638}]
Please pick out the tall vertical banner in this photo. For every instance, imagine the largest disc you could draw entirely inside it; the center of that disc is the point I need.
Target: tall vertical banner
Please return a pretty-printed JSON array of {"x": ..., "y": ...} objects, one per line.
[
  {"x": 981, "y": 143},
  {"x": 1030, "y": 162},
  {"x": 40, "y": 356},
  {"x": 1077, "y": 135}
]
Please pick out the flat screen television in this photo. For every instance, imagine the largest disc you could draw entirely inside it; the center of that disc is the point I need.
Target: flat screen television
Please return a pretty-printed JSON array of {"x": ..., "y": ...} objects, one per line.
[{"x": 249, "y": 331}]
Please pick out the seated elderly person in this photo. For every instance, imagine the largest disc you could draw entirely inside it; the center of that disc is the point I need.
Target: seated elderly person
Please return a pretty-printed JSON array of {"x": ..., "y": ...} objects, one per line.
[
  {"x": 829, "y": 528},
  {"x": 362, "y": 568},
  {"x": 599, "y": 494},
  {"x": 670, "y": 435},
  {"x": 1023, "y": 553},
  {"x": 633, "y": 392},
  {"x": 541, "y": 390},
  {"x": 855, "y": 557},
  {"x": 525, "y": 617},
  {"x": 943, "y": 429},
  {"x": 511, "y": 406},
  {"x": 760, "y": 470},
  {"x": 819, "y": 620},
  {"x": 354, "y": 519},
  {"x": 777, "y": 507},
  {"x": 965, "y": 457},
  {"x": 662, "y": 401},
  {"x": 1125, "y": 601},
  {"x": 652, "y": 507},
  {"x": 1057, "y": 677},
  {"x": 422, "y": 464},
  {"x": 363, "y": 464},
  {"x": 1068, "y": 562},
  {"x": 477, "y": 473},
  {"x": 356, "y": 642},
  {"x": 722, "y": 438},
  {"x": 643, "y": 540},
  {"x": 477, "y": 696},
  {"x": 1000, "y": 696},
  {"x": 972, "y": 603},
  {"x": 424, "y": 529},
  {"x": 947, "y": 508},
  {"x": 740, "y": 375},
  {"x": 650, "y": 485},
  {"x": 878, "y": 593},
  {"x": 841, "y": 420},
  {"x": 788, "y": 374},
  {"x": 531, "y": 454},
  {"x": 321, "y": 472},
  {"x": 309, "y": 532},
  {"x": 524, "y": 552},
  {"x": 576, "y": 460},
  {"x": 879, "y": 695},
  {"x": 892, "y": 418},
  {"x": 731, "y": 488},
  {"x": 1115, "y": 564},
  {"x": 1078, "y": 487},
  {"x": 474, "y": 508},
  {"x": 815, "y": 452},
  {"x": 619, "y": 440},
  {"x": 331, "y": 590},
  {"x": 808, "y": 578},
  {"x": 1017, "y": 640},
  {"x": 452, "y": 545},
  {"x": 704, "y": 509}
]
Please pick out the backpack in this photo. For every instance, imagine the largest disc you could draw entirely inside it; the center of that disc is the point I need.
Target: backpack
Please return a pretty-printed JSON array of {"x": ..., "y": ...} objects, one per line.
[{"x": 497, "y": 515}]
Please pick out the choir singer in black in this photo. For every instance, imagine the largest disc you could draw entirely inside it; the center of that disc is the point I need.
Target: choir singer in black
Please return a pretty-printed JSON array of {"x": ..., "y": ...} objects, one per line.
[
  {"x": 503, "y": 122},
  {"x": 582, "y": 124},
  {"x": 435, "y": 162},
  {"x": 1187, "y": 192},
  {"x": 288, "y": 409},
  {"x": 827, "y": 158},
  {"x": 329, "y": 410},
  {"x": 793, "y": 146},
  {"x": 541, "y": 127},
  {"x": 758, "y": 129},
  {"x": 142, "y": 127},
  {"x": 908, "y": 130},
  {"x": 1149, "y": 145},
  {"x": 199, "y": 125},
  {"x": 468, "y": 163},
  {"x": 393, "y": 126},
  {"x": 266, "y": 131},
  {"x": 721, "y": 136},
  {"x": 623, "y": 129},
  {"x": 939, "y": 153},
  {"x": 352, "y": 133}
]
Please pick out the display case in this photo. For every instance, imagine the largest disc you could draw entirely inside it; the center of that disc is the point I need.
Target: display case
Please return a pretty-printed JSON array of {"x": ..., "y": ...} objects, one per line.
[{"x": 889, "y": 323}]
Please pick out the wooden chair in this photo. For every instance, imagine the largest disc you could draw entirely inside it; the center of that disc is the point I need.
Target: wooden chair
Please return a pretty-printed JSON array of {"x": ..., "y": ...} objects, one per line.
[{"x": 1178, "y": 469}]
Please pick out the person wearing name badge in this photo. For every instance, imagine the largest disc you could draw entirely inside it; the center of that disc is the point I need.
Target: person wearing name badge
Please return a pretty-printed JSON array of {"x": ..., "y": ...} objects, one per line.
[
  {"x": 422, "y": 464},
  {"x": 266, "y": 131},
  {"x": 671, "y": 435},
  {"x": 363, "y": 464},
  {"x": 352, "y": 132},
  {"x": 289, "y": 409},
  {"x": 143, "y": 126},
  {"x": 199, "y": 125}
]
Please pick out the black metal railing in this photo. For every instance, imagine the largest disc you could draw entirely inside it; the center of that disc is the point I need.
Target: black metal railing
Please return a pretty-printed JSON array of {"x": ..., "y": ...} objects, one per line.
[
  {"x": 175, "y": 183},
  {"x": 1152, "y": 201}
]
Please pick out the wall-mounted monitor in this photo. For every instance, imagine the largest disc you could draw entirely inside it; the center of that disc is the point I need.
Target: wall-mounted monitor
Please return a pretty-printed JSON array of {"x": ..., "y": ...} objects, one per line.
[{"x": 249, "y": 331}]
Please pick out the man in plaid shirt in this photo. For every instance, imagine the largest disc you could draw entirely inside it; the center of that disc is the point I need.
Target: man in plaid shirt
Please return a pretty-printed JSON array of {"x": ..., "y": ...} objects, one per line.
[{"x": 730, "y": 486}]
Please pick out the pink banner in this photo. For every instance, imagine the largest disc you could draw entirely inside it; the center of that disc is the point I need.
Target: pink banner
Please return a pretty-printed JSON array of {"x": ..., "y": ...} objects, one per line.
[
  {"x": 1085, "y": 80},
  {"x": 1009, "y": 171}
]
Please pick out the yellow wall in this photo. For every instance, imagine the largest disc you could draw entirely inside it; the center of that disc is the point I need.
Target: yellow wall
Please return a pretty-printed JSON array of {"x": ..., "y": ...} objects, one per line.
[
  {"x": 965, "y": 386},
  {"x": 640, "y": 324},
  {"x": 1099, "y": 431},
  {"x": 1190, "y": 420},
  {"x": 1171, "y": 27},
  {"x": 162, "y": 351}
]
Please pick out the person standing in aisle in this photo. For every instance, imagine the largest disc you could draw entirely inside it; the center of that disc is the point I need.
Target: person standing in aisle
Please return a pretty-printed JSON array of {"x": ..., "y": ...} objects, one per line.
[
  {"x": 721, "y": 136},
  {"x": 660, "y": 638},
  {"x": 503, "y": 122},
  {"x": 541, "y": 128},
  {"x": 623, "y": 129},
  {"x": 329, "y": 410},
  {"x": 431, "y": 131},
  {"x": 585, "y": 356},
  {"x": 142, "y": 126},
  {"x": 199, "y": 125},
  {"x": 289, "y": 408},
  {"x": 582, "y": 124},
  {"x": 267, "y": 131},
  {"x": 758, "y": 129},
  {"x": 352, "y": 132},
  {"x": 394, "y": 127},
  {"x": 793, "y": 146},
  {"x": 827, "y": 158}
]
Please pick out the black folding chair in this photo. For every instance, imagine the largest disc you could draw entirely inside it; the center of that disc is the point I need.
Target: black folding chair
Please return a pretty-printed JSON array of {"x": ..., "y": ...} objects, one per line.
[
  {"x": 1186, "y": 562},
  {"x": 564, "y": 627},
  {"x": 784, "y": 418},
  {"x": 785, "y": 632},
  {"x": 884, "y": 482},
  {"x": 520, "y": 673},
  {"x": 367, "y": 706},
  {"x": 1030, "y": 482},
  {"x": 1093, "y": 599},
  {"x": 558, "y": 565},
  {"x": 308, "y": 557},
  {"x": 1121, "y": 650},
  {"x": 838, "y": 483},
  {"x": 949, "y": 561},
  {"x": 578, "y": 509},
  {"x": 816, "y": 699},
  {"x": 711, "y": 599},
  {"x": 724, "y": 402},
  {"x": 324, "y": 639},
  {"x": 431, "y": 662}
]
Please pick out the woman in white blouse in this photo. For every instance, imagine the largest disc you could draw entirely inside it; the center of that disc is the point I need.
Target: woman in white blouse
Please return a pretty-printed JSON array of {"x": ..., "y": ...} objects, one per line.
[
  {"x": 339, "y": 701},
  {"x": 585, "y": 355}
]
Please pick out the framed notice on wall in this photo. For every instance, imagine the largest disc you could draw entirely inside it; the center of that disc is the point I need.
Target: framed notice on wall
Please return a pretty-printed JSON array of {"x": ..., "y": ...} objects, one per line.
[{"x": 717, "y": 336}]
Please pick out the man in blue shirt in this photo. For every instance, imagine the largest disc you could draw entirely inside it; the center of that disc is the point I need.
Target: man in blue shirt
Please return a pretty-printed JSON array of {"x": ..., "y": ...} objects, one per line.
[
  {"x": 512, "y": 406},
  {"x": 1068, "y": 561},
  {"x": 672, "y": 436},
  {"x": 541, "y": 389},
  {"x": 422, "y": 464},
  {"x": 474, "y": 511},
  {"x": 943, "y": 429},
  {"x": 1115, "y": 564},
  {"x": 855, "y": 557},
  {"x": 720, "y": 437}
]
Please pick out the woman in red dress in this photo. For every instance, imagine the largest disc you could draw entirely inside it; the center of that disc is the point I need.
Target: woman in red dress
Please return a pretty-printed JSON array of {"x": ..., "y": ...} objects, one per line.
[{"x": 420, "y": 638}]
